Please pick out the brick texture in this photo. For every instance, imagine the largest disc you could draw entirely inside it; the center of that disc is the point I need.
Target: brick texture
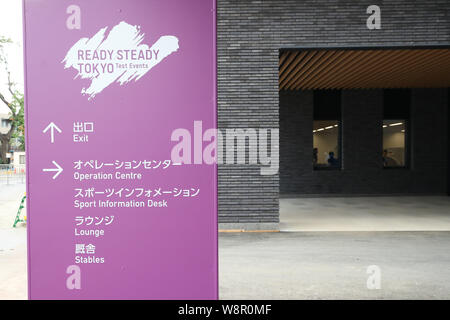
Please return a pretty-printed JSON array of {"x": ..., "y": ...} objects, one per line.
[
  {"x": 362, "y": 169},
  {"x": 250, "y": 34}
]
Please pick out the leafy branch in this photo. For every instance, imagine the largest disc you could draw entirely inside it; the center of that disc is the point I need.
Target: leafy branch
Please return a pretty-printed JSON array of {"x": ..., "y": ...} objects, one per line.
[{"x": 15, "y": 104}]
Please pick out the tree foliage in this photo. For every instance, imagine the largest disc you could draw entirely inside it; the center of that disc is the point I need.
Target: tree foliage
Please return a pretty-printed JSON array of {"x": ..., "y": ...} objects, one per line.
[{"x": 14, "y": 101}]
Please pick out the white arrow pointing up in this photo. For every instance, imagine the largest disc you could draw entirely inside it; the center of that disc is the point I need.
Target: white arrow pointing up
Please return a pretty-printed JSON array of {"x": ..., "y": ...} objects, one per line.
[
  {"x": 58, "y": 170},
  {"x": 52, "y": 126}
]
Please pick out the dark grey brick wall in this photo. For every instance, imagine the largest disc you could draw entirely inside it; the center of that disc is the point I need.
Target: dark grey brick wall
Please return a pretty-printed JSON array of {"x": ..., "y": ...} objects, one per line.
[
  {"x": 249, "y": 36},
  {"x": 362, "y": 171},
  {"x": 448, "y": 142}
]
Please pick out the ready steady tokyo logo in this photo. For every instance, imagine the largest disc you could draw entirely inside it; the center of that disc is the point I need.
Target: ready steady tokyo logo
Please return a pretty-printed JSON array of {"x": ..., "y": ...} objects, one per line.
[{"x": 119, "y": 56}]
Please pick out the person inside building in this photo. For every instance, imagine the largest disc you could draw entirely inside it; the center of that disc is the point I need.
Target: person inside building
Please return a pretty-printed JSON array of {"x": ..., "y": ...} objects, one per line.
[
  {"x": 387, "y": 160},
  {"x": 332, "y": 161},
  {"x": 315, "y": 156}
]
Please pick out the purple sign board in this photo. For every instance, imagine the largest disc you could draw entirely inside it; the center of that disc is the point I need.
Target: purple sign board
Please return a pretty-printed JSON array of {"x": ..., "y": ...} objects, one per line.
[{"x": 122, "y": 177}]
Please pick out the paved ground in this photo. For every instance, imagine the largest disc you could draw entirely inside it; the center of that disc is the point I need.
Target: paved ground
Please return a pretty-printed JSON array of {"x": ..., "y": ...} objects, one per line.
[
  {"x": 333, "y": 265},
  {"x": 420, "y": 213},
  {"x": 10, "y": 196},
  {"x": 13, "y": 252},
  {"x": 287, "y": 265}
]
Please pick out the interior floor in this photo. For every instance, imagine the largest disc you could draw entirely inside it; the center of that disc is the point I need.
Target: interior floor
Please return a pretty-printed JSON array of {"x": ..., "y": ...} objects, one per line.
[{"x": 396, "y": 213}]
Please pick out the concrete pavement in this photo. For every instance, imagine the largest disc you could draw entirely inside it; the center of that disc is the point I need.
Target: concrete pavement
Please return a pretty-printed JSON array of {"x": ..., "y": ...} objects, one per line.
[
  {"x": 333, "y": 265},
  {"x": 13, "y": 245},
  {"x": 407, "y": 213}
]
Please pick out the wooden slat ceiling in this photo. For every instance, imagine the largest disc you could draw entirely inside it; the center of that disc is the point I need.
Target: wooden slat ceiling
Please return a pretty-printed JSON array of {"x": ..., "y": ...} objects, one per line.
[{"x": 360, "y": 69}]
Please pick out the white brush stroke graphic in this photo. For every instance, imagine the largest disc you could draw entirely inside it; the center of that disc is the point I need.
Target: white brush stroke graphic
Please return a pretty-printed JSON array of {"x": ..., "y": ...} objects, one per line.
[{"x": 105, "y": 61}]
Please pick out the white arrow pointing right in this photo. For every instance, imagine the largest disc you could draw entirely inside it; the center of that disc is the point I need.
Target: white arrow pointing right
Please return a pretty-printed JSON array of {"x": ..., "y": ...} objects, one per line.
[{"x": 58, "y": 170}]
